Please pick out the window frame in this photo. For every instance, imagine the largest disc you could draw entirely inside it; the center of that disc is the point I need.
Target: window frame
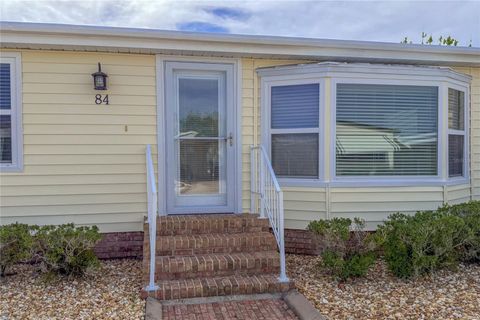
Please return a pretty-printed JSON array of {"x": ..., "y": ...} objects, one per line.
[
  {"x": 15, "y": 112},
  {"x": 465, "y": 133},
  {"x": 267, "y": 130}
]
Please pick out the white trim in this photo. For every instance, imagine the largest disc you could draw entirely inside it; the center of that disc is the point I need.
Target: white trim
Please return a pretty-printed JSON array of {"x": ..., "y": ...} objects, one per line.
[
  {"x": 15, "y": 112},
  {"x": 442, "y": 78},
  {"x": 161, "y": 61},
  {"x": 134, "y": 40}
]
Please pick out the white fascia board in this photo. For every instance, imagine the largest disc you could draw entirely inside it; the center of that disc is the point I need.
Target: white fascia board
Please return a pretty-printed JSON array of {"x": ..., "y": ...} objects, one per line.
[{"x": 73, "y": 37}]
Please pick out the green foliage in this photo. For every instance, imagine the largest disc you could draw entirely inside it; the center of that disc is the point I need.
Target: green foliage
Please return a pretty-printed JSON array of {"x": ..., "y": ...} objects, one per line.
[
  {"x": 470, "y": 213},
  {"x": 66, "y": 249},
  {"x": 442, "y": 41},
  {"x": 347, "y": 251},
  {"x": 15, "y": 245},
  {"x": 430, "y": 240}
]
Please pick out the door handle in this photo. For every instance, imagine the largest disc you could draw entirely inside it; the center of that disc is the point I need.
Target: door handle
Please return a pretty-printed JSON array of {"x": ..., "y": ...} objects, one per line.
[{"x": 230, "y": 139}]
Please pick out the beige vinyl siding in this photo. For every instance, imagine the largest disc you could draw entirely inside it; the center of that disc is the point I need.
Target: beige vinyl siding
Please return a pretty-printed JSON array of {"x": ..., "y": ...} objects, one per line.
[
  {"x": 303, "y": 205},
  {"x": 83, "y": 163}
]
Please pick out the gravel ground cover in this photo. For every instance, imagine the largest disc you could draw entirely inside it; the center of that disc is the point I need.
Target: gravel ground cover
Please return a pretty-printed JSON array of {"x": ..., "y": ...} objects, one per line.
[
  {"x": 111, "y": 292},
  {"x": 445, "y": 295}
]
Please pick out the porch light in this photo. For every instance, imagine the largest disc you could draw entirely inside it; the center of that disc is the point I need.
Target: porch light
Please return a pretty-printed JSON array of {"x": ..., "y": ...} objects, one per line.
[{"x": 99, "y": 79}]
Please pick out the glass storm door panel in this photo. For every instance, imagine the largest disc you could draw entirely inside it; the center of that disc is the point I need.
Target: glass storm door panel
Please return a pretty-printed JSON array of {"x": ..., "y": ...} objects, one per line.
[{"x": 199, "y": 141}]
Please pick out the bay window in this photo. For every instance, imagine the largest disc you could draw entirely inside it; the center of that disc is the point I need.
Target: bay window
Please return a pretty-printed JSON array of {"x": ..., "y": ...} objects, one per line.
[
  {"x": 10, "y": 113},
  {"x": 347, "y": 124}
]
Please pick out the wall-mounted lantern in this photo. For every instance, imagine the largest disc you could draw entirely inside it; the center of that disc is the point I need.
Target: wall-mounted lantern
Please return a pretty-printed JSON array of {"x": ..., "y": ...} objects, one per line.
[{"x": 99, "y": 79}]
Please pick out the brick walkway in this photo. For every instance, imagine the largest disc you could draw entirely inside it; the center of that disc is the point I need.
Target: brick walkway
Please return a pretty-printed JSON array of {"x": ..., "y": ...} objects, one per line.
[{"x": 274, "y": 309}]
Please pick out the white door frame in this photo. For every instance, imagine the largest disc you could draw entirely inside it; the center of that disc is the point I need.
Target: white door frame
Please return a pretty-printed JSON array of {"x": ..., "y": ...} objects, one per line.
[{"x": 161, "y": 61}]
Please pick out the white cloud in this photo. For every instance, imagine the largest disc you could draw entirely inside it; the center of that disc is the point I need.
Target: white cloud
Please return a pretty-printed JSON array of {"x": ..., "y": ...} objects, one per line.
[{"x": 358, "y": 20}]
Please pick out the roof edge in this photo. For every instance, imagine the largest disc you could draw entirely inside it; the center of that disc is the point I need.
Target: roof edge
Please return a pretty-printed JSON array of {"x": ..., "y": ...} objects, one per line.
[{"x": 21, "y": 33}]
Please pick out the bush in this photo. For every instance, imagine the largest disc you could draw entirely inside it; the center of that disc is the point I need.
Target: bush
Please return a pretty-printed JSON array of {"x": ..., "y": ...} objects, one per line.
[
  {"x": 470, "y": 213},
  {"x": 347, "y": 250},
  {"x": 425, "y": 242},
  {"x": 66, "y": 249},
  {"x": 15, "y": 245}
]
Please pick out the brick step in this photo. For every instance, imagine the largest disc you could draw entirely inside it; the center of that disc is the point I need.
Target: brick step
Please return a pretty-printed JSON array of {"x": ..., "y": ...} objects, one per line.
[
  {"x": 218, "y": 286},
  {"x": 216, "y": 265},
  {"x": 215, "y": 243},
  {"x": 210, "y": 224}
]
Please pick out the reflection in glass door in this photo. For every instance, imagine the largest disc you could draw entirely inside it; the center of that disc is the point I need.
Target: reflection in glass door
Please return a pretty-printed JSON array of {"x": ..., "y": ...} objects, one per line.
[{"x": 201, "y": 141}]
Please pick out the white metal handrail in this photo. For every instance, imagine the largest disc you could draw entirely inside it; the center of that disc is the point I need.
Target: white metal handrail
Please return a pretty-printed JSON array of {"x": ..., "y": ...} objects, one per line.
[
  {"x": 152, "y": 208},
  {"x": 267, "y": 197}
]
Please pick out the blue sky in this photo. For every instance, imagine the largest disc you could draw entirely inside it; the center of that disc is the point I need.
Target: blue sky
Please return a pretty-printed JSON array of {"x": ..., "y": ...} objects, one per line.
[{"x": 384, "y": 20}]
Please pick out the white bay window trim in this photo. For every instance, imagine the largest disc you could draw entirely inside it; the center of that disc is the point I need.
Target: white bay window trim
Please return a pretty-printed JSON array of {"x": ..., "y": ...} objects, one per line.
[
  {"x": 331, "y": 74},
  {"x": 15, "y": 111}
]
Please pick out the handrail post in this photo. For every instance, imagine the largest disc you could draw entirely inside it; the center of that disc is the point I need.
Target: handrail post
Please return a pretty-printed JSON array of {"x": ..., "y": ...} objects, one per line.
[
  {"x": 262, "y": 186},
  {"x": 283, "y": 268},
  {"x": 152, "y": 216},
  {"x": 253, "y": 189}
]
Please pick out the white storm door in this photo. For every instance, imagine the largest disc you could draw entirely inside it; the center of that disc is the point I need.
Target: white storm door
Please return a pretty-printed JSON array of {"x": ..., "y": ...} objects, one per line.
[{"x": 199, "y": 138}]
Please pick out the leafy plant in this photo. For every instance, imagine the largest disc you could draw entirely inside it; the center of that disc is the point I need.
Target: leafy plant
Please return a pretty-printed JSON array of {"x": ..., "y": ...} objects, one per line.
[
  {"x": 442, "y": 41},
  {"x": 15, "y": 245},
  {"x": 423, "y": 243},
  {"x": 66, "y": 249},
  {"x": 470, "y": 213},
  {"x": 347, "y": 250}
]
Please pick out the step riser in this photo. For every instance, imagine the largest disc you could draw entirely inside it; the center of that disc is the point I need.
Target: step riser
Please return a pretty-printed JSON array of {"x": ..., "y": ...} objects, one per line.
[
  {"x": 212, "y": 266},
  {"x": 212, "y": 287},
  {"x": 171, "y": 246},
  {"x": 188, "y": 225}
]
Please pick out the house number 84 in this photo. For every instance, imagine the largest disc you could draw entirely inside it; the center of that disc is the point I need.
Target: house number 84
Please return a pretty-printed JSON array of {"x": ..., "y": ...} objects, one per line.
[{"x": 99, "y": 99}]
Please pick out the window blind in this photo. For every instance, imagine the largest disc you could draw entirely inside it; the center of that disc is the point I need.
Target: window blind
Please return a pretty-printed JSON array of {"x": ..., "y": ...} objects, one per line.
[
  {"x": 386, "y": 130},
  {"x": 295, "y": 106},
  {"x": 5, "y": 98},
  {"x": 455, "y": 155},
  {"x": 5, "y": 119},
  {"x": 456, "y": 109},
  {"x": 295, "y": 155}
]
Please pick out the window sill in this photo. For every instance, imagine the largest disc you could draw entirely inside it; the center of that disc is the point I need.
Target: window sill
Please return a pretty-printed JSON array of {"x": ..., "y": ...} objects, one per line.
[
  {"x": 11, "y": 168},
  {"x": 365, "y": 183}
]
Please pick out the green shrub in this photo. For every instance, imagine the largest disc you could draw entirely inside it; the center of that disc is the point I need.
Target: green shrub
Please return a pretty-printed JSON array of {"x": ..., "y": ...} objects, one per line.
[
  {"x": 15, "y": 245},
  {"x": 423, "y": 243},
  {"x": 66, "y": 249},
  {"x": 470, "y": 213},
  {"x": 347, "y": 251}
]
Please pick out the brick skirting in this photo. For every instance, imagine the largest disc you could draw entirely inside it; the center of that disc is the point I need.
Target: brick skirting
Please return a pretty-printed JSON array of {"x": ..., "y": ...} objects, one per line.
[
  {"x": 120, "y": 245},
  {"x": 299, "y": 241},
  {"x": 130, "y": 244}
]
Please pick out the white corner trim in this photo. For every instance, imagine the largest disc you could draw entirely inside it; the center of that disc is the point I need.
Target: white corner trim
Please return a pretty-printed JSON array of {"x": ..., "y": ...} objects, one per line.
[{"x": 15, "y": 61}]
